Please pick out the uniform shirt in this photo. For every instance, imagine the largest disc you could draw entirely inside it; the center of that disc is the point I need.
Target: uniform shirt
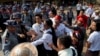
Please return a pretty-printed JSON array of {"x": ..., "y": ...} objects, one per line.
[
  {"x": 27, "y": 21},
  {"x": 78, "y": 6},
  {"x": 94, "y": 39},
  {"x": 45, "y": 39},
  {"x": 63, "y": 30},
  {"x": 11, "y": 41},
  {"x": 67, "y": 52},
  {"x": 38, "y": 29}
]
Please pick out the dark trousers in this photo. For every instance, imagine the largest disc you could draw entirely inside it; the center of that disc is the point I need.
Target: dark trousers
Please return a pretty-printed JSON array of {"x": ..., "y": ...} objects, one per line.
[
  {"x": 92, "y": 53},
  {"x": 78, "y": 11},
  {"x": 70, "y": 21},
  {"x": 41, "y": 50}
]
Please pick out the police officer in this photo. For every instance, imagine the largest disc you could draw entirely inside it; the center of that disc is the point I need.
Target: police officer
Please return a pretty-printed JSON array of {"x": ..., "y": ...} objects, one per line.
[
  {"x": 26, "y": 18},
  {"x": 20, "y": 28},
  {"x": 11, "y": 37}
]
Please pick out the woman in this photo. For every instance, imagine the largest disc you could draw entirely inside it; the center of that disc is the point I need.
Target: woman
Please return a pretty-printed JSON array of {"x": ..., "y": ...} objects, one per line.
[
  {"x": 93, "y": 42},
  {"x": 47, "y": 38}
]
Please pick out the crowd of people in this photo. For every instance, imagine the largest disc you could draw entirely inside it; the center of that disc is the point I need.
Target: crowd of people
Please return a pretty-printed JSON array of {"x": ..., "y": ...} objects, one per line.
[{"x": 50, "y": 29}]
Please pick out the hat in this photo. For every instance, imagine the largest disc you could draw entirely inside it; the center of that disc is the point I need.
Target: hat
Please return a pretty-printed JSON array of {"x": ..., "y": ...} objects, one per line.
[
  {"x": 58, "y": 17},
  {"x": 16, "y": 15},
  {"x": 10, "y": 23}
]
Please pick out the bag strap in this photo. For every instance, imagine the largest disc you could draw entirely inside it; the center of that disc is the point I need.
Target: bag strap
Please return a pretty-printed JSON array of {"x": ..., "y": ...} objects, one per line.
[{"x": 73, "y": 52}]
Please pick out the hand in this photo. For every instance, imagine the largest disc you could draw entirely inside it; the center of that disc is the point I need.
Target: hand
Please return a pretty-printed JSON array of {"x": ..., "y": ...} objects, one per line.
[
  {"x": 1, "y": 30},
  {"x": 21, "y": 35},
  {"x": 74, "y": 40}
]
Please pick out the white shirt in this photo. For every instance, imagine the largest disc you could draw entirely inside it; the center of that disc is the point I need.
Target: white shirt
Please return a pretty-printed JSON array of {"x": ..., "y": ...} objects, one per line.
[
  {"x": 67, "y": 52},
  {"x": 78, "y": 6},
  {"x": 63, "y": 30},
  {"x": 94, "y": 39},
  {"x": 89, "y": 12},
  {"x": 95, "y": 16},
  {"x": 53, "y": 20},
  {"x": 38, "y": 29},
  {"x": 84, "y": 7},
  {"x": 45, "y": 39}
]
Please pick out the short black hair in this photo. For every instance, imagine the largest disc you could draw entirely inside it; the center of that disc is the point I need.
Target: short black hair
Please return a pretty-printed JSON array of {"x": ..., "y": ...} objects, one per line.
[
  {"x": 39, "y": 15},
  {"x": 53, "y": 10},
  {"x": 97, "y": 24},
  {"x": 65, "y": 41}
]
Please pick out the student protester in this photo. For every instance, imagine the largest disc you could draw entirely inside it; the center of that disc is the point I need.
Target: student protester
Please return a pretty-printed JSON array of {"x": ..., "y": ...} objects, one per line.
[
  {"x": 91, "y": 28},
  {"x": 11, "y": 37},
  {"x": 78, "y": 36},
  {"x": 37, "y": 28},
  {"x": 47, "y": 38},
  {"x": 60, "y": 28},
  {"x": 64, "y": 46},
  {"x": 93, "y": 42},
  {"x": 83, "y": 18},
  {"x": 52, "y": 14}
]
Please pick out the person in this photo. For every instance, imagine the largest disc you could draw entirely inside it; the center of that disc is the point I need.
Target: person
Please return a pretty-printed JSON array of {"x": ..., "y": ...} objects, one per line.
[
  {"x": 78, "y": 36},
  {"x": 91, "y": 28},
  {"x": 64, "y": 47},
  {"x": 52, "y": 14},
  {"x": 27, "y": 18},
  {"x": 89, "y": 11},
  {"x": 44, "y": 12},
  {"x": 20, "y": 28},
  {"x": 37, "y": 9},
  {"x": 78, "y": 8},
  {"x": 95, "y": 15},
  {"x": 11, "y": 37},
  {"x": 60, "y": 28},
  {"x": 24, "y": 49},
  {"x": 62, "y": 14},
  {"x": 47, "y": 38},
  {"x": 92, "y": 44},
  {"x": 70, "y": 16},
  {"x": 83, "y": 18},
  {"x": 38, "y": 27},
  {"x": 84, "y": 6}
]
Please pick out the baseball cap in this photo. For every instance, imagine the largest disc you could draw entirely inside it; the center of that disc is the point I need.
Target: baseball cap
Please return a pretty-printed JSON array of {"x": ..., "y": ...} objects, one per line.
[{"x": 58, "y": 17}]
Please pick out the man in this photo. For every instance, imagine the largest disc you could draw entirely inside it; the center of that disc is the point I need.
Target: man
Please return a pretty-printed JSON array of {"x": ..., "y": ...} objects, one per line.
[
  {"x": 11, "y": 37},
  {"x": 20, "y": 28},
  {"x": 27, "y": 18},
  {"x": 60, "y": 28}
]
